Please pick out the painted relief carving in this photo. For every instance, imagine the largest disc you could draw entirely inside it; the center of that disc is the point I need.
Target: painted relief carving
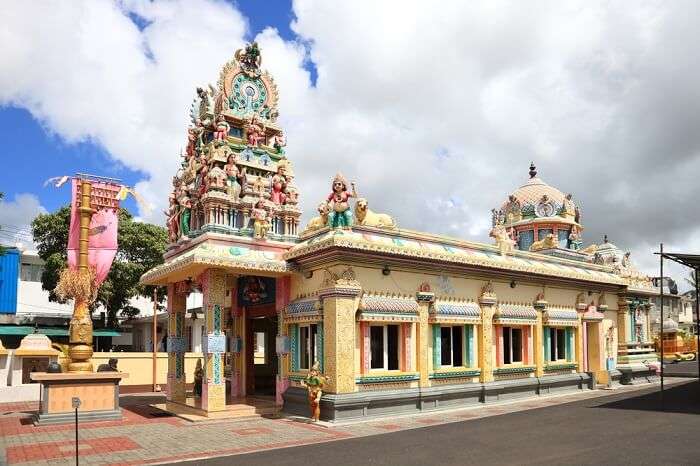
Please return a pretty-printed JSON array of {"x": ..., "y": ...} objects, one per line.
[
  {"x": 345, "y": 278},
  {"x": 487, "y": 291}
]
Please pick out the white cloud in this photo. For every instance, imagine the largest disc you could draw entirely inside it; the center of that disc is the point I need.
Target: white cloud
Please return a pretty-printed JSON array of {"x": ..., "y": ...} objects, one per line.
[
  {"x": 435, "y": 112},
  {"x": 17, "y": 216}
]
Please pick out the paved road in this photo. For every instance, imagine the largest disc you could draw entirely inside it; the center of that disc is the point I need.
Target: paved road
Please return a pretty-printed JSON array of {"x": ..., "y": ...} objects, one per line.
[
  {"x": 681, "y": 369},
  {"x": 624, "y": 428}
]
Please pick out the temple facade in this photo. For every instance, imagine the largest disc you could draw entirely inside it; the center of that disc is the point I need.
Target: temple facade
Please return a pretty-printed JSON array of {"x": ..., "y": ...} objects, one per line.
[{"x": 397, "y": 320}]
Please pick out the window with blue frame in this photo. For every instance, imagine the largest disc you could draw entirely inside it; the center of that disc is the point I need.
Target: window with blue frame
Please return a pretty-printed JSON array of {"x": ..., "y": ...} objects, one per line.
[
  {"x": 542, "y": 234},
  {"x": 525, "y": 240},
  {"x": 563, "y": 236}
]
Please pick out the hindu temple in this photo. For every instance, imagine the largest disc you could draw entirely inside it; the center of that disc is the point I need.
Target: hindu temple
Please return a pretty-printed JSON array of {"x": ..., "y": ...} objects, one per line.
[{"x": 396, "y": 320}]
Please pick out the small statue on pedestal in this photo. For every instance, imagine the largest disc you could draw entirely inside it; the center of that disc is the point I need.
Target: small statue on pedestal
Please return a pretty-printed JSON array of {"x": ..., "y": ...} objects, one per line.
[{"x": 314, "y": 383}]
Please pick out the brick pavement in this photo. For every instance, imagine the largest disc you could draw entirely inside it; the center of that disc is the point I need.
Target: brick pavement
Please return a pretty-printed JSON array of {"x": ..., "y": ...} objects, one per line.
[{"x": 146, "y": 437}]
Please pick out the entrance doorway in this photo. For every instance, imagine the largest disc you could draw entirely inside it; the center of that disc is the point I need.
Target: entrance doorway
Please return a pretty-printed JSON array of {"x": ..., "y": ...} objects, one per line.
[{"x": 261, "y": 355}]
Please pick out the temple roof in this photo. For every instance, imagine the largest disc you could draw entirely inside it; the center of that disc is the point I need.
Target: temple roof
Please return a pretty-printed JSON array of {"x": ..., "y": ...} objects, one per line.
[{"x": 410, "y": 244}]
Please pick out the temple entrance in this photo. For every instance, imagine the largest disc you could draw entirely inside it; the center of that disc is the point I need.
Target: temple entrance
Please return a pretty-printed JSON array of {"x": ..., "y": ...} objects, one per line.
[
  {"x": 261, "y": 355},
  {"x": 594, "y": 350}
]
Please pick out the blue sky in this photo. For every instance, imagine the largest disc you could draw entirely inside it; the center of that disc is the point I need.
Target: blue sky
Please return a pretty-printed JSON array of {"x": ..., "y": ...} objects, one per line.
[{"x": 32, "y": 154}]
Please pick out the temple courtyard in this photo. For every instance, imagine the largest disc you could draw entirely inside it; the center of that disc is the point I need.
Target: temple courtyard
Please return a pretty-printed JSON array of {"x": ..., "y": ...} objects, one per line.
[{"x": 537, "y": 430}]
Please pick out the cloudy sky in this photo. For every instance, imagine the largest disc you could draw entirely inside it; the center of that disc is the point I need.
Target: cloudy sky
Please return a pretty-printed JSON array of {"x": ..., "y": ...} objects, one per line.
[{"x": 436, "y": 113}]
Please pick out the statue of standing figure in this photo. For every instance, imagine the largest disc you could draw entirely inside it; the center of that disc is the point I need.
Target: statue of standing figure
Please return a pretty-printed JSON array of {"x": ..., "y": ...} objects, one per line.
[
  {"x": 314, "y": 383},
  {"x": 261, "y": 223},
  {"x": 254, "y": 132},
  {"x": 235, "y": 178},
  {"x": 341, "y": 215},
  {"x": 222, "y": 128}
]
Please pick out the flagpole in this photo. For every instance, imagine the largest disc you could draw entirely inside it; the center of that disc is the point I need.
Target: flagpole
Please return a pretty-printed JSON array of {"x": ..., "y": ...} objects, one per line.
[{"x": 80, "y": 331}]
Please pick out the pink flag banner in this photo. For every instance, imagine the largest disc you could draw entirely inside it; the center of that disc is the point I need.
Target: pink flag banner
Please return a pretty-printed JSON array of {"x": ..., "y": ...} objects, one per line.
[{"x": 102, "y": 245}]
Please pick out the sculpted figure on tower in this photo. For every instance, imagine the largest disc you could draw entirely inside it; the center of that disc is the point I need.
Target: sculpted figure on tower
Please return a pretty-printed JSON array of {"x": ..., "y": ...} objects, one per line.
[{"x": 340, "y": 215}]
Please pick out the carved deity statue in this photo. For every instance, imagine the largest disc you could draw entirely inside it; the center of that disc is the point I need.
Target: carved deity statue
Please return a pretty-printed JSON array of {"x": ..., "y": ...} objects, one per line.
[
  {"x": 221, "y": 129},
  {"x": 504, "y": 242},
  {"x": 185, "y": 213},
  {"x": 217, "y": 178},
  {"x": 575, "y": 242},
  {"x": 314, "y": 383},
  {"x": 341, "y": 215},
  {"x": 173, "y": 218},
  {"x": 250, "y": 59},
  {"x": 365, "y": 216},
  {"x": 278, "y": 142},
  {"x": 261, "y": 222},
  {"x": 568, "y": 208},
  {"x": 254, "y": 132},
  {"x": 513, "y": 211},
  {"x": 279, "y": 183},
  {"x": 235, "y": 178}
]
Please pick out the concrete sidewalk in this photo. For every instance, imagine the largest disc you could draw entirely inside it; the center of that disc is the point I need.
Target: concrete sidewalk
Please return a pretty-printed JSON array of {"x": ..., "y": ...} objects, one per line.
[{"x": 145, "y": 436}]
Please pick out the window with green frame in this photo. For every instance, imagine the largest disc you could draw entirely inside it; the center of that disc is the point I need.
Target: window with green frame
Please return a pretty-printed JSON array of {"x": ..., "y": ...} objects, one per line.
[
  {"x": 453, "y": 346},
  {"x": 558, "y": 344}
]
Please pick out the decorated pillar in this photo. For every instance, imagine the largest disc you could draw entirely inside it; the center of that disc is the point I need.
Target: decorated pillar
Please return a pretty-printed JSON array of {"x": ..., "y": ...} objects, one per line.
[
  {"x": 176, "y": 345},
  {"x": 538, "y": 337},
  {"x": 580, "y": 354},
  {"x": 485, "y": 346},
  {"x": 282, "y": 290},
  {"x": 214, "y": 342},
  {"x": 339, "y": 294},
  {"x": 423, "y": 335},
  {"x": 236, "y": 348},
  {"x": 623, "y": 319}
]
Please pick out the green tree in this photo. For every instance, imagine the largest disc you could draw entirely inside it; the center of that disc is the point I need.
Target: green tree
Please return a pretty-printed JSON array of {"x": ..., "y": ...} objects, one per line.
[{"x": 140, "y": 248}]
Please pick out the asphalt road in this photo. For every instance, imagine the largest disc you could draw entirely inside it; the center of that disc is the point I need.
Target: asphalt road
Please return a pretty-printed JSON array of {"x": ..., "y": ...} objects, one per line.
[
  {"x": 623, "y": 428},
  {"x": 681, "y": 369}
]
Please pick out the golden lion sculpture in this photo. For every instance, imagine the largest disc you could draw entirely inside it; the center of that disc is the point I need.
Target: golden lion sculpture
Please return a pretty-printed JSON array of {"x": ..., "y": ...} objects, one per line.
[
  {"x": 319, "y": 222},
  {"x": 366, "y": 217},
  {"x": 549, "y": 242}
]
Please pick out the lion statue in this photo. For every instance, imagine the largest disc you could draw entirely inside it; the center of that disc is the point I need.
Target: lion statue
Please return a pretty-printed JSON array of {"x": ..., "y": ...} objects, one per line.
[
  {"x": 319, "y": 222},
  {"x": 590, "y": 250},
  {"x": 504, "y": 242},
  {"x": 549, "y": 242},
  {"x": 366, "y": 217}
]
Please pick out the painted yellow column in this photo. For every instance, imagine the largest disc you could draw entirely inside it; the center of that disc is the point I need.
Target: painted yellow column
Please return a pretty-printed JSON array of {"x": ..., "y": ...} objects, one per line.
[
  {"x": 623, "y": 334},
  {"x": 579, "y": 345},
  {"x": 423, "y": 353},
  {"x": 485, "y": 345},
  {"x": 214, "y": 342},
  {"x": 538, "y": 338},
  {"x": 176, "y": 345},
  {"x": 340, "y": 301}
]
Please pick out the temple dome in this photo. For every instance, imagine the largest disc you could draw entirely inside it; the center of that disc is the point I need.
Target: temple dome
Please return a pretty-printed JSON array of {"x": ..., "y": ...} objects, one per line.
[{"x": 544, "y": 200}]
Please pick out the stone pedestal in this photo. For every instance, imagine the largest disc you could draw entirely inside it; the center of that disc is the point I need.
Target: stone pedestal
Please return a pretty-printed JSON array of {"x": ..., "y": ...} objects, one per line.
[{"x": 98, "y": 393}]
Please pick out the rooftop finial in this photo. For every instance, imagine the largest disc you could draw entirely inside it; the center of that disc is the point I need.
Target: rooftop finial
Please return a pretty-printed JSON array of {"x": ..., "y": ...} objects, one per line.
[
  {"x": 533, "y": 170},
  {"x": 605, "y": 238}
]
